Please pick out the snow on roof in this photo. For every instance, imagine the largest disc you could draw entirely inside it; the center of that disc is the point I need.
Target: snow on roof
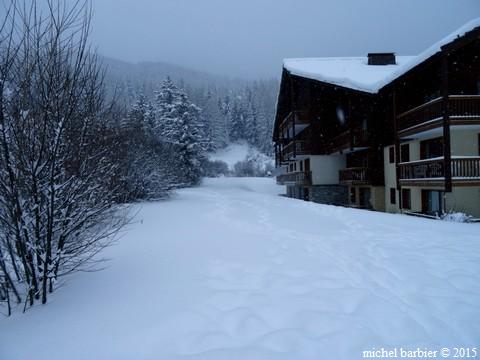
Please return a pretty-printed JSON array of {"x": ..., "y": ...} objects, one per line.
[
  {"x": 355, "y": 73},
  {"x": 350, "y": 72}
]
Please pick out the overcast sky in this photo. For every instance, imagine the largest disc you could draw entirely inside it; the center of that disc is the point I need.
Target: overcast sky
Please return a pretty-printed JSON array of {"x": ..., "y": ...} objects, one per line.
[{"x": 249, "y": 38}]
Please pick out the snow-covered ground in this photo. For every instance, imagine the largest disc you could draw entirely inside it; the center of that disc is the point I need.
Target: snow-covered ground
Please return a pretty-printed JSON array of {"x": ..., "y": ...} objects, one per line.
[
  {"x": 232, "y": 271},
  {"x": 232, "y": 154},
  {"x": 240, "y": 151}
]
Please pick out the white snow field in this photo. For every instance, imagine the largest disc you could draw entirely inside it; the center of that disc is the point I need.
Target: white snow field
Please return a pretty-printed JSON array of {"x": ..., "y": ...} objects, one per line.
[{"x": 231, "y": 271}]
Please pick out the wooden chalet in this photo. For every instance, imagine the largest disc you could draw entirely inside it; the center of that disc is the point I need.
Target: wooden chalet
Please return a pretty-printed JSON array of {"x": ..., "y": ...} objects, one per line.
[{"x": 384, "y": 132}]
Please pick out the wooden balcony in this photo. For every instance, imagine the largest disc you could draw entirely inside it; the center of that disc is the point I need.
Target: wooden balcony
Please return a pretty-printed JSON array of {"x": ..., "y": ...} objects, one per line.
[
  {"x": 463, "y": 110},
  {"x": 302, "y": 178},
  {"x": 297, "y": 117},
  {"x": 355, "y": 176},
  {"x": 296, "y": 148},
  {"x": 347, "y": 140},
  {"x": 465, "y": 171}
]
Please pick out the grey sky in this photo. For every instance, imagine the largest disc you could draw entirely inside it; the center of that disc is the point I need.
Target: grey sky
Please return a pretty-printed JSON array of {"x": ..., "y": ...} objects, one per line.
[{"x": 249, "y": 38}]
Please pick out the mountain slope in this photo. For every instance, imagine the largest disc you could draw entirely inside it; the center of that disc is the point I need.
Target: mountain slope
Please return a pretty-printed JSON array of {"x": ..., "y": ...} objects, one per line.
[{"x": 146, "y": 75}]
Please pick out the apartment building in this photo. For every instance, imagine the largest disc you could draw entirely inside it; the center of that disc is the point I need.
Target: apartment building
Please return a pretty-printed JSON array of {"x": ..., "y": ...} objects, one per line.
[{"x": 384, "y": 132}]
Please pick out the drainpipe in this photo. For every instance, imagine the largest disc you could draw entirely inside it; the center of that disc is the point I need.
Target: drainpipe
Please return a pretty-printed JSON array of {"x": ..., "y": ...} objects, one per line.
[{"x": 447, "y": 155}]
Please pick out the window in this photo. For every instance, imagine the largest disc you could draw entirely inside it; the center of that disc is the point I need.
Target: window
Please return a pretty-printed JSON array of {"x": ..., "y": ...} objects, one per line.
[
  {"x": 405, "y": 153},
  {"x": 291, "y": 167},
  {"x": 406, "y": 199},
  {"x": 393, "y": 196},
  {"x": 295, "y": 166},
  {"x": 365, "y": 125},
  {"x": 391, "y": 154},
  {"x": 353, "y": 195},
  {"x": 301, "y": 165},
  {"x": 431, "y": 148}
]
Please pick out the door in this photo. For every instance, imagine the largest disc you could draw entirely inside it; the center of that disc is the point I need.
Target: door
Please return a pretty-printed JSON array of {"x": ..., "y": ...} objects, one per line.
[
  {"x": 432, "y": 202},
  {"x": 306, "y": 194},
  {"x": 307, "y": 165},
  {"x": 365, "y": 195}
]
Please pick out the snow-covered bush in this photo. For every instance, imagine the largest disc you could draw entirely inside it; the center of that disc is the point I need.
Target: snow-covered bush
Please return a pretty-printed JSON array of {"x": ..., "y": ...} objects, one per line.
[
  {"x": 255, "y": 165},
  {"x": 57, "y": 201},
  {"x": 456, "y": 217},
  {"x": 251, "y": 168},
  {"x": 215, "y": 168},
  {"x": 245, "y": 169}
]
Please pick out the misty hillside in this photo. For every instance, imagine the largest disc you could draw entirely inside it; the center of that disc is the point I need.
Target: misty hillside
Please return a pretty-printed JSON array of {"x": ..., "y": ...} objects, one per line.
[
  {"x": 147, "y": 75},
  {"x": 230, "y": 110}
]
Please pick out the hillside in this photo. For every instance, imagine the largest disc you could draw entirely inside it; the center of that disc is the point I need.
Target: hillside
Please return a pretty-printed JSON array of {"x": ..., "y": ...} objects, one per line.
[{"x": 129, "y": 78}]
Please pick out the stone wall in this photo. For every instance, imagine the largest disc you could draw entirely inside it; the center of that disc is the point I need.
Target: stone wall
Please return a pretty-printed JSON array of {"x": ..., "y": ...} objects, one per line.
[{"x": 329, "y": 194}]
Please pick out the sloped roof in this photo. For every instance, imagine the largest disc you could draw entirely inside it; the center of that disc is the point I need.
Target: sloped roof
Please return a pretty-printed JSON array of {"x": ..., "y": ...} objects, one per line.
[{"x": 355, "y": 73}]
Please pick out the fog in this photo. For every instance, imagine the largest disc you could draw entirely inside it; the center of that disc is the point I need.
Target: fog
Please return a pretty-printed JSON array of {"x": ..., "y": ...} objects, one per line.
[{"x": 249, "y": 38}]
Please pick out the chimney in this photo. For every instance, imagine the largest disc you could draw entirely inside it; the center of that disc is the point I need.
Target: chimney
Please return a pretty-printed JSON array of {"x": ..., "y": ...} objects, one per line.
[{"x": 381, "y": 59}]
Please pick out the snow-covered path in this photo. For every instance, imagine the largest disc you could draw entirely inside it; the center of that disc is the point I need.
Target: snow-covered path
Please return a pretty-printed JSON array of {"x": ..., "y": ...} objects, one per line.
[{"x": 230, "y": 270}]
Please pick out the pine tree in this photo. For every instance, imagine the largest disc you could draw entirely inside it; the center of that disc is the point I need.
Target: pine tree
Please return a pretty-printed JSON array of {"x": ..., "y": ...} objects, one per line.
[
  {"x": 224, "y": 106},
  {"x": 178, "y": 123},
  {"x": 237, "y": 120},
  {"x": 213, "y": 121},
  {"x": 251, "y": 121}
]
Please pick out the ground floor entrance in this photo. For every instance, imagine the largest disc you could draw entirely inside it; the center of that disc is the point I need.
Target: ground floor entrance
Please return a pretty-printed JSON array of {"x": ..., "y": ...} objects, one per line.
[{"x": 433, "y": 202}]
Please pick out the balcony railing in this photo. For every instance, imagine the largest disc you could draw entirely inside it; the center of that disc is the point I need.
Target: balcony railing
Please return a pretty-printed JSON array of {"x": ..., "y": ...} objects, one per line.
[
  {"x": 459, "y": 106},
  {"x": 302, "y": 117},
  {"x": 463, "y": 168},
  {"x": 358, "y": 175},
  {"x": 296, "y": 148},
  {"x": 344, "y": 140},
  {"x": 302, "y": 178}
]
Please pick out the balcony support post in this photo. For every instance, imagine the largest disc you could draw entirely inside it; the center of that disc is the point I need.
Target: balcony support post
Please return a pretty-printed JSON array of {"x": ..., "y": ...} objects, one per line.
[
  {"x": 281, "y": 149},
  {"x": 447, "y": 156},
  {"x": 277, "y": 156},
  {"x": 292, "y": 114},
  {"x": 397, "y": 147},
  {"x": 294, "y": 136},
  {"x": 350, "y": 124}
]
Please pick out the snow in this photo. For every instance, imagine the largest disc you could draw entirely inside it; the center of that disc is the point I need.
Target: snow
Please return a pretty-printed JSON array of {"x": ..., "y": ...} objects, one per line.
[
  {"x": 457, "y": 217},
  {"x": 232, "y": 154},
  {"x": 230, "y": 270},
  {"x": 350, "y": 72},
  {"x": 241, "y": 151},
  {"x": 355, "y": 73}
]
